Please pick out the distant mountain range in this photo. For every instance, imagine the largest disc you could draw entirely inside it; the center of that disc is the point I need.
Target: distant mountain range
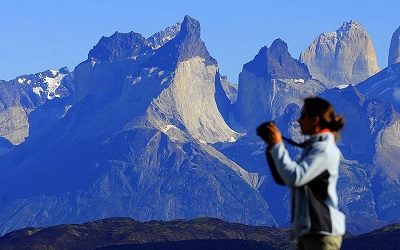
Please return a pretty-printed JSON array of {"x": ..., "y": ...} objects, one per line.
[{"x": 148, "y": 128}]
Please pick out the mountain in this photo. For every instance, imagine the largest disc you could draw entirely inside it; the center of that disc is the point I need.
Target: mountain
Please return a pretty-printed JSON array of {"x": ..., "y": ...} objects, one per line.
[
  {"x": 148, "y": 128},
  {"x": 135, "y": 141},
  {"x": 271, "y": 81},
  {"x": 20, "y": 97},
  {"x": 394, "y": 51},
  {"x": 346, "y": 56}
]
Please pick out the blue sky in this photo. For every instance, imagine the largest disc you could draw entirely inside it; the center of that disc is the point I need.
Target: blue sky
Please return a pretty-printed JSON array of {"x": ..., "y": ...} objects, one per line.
[{"x": 43, "y": 34}]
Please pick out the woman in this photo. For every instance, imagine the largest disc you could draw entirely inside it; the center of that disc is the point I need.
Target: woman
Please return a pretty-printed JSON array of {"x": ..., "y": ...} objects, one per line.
[{"x": 316, "y": 220}]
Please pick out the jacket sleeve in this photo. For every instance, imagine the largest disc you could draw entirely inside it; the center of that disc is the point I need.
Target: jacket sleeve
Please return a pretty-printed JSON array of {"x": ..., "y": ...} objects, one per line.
[
  {"x": 275, "y": 175},
  {"x": 299, "y": 173}
]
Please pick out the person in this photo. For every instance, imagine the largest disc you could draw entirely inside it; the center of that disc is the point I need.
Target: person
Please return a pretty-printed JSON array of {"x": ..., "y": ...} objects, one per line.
[{"x": 316, "y": 221}]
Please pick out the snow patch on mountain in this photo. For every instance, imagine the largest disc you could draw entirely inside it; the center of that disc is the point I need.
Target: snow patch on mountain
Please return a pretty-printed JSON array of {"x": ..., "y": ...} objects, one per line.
[
  {"x": 160, "y": 38},
  {"x": 52, "y": 84},
  {"x": 342, "y": 86},
  {"x": 37, "y": 90}
]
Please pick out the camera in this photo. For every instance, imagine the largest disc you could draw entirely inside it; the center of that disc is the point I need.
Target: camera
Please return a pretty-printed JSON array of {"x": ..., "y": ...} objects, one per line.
[{"x": 262, "y": 130}]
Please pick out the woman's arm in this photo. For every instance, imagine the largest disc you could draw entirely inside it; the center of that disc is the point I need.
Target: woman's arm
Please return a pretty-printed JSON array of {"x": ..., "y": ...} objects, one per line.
[{"x": 300, "y": 173}]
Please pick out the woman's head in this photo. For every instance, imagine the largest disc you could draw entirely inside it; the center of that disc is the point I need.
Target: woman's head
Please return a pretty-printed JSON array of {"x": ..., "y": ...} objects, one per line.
[{"x": 318, "y": 114}]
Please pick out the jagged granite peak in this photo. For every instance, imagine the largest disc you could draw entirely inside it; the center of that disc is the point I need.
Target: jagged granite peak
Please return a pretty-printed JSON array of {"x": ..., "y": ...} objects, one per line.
[
  {"x": 394, "y": 51},
  {"x": 160, "y": 38},
  {"x": 185, "y": 45},
  {"x": 118, "y": 46},
  {"x": 276, "y": 62},
  {"x": 271, "y": 81},
  {"x": 179, "y": 85},
  {"x": 346, "y": 56},
  {"x": 348, "y": 27}
]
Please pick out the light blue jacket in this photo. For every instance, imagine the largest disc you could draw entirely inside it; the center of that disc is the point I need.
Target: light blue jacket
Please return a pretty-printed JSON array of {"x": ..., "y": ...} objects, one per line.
[{"x": 313, "y": 180}]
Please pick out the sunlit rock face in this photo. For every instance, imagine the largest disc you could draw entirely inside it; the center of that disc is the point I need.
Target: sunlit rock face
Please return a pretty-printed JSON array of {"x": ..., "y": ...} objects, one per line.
[
  {"x": 192, "y": 94},
  {"x": 346, "y": 56},
  {"x": 394, "y": 51},
  {"x": 271, "y": 81}
]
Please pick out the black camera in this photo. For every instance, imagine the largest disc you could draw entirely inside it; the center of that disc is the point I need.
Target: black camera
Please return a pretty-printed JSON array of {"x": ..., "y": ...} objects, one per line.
[{"x": 262, "y": 130}]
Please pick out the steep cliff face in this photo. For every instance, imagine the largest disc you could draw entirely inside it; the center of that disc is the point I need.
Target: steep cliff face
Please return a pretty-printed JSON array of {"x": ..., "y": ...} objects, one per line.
[
  {"x": 394, "y": 51},
  {"x": 346, "y": 56},
  {"x": 190, "y": 98},
  {"x": 193, "y": 86},
  {"x": 271, "y": 81}
]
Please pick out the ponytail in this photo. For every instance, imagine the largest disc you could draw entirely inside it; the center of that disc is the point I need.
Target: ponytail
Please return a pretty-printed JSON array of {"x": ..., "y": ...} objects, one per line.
[{"x": 318, "y": 107}]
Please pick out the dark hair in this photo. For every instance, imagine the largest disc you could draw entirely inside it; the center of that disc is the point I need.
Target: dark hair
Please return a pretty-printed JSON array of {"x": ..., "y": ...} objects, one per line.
[{"x": 318, "y": 107}]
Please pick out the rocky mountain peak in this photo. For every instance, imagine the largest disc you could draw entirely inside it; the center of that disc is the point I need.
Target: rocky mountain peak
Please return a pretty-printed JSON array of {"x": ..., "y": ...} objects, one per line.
[
  {"x": 190, "y": 27},
  {"x": 118, "y": 46},
  {"x": 270, "y": 82},
  {"x": 394, "y": 51},
  {"x": 349, "y": 27},
  {"x": 186, "y": 45},
  {"x": 280, "y": 46},
  {"x": 346, "y": 56},
  {"x": 276, "y": 62}
]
